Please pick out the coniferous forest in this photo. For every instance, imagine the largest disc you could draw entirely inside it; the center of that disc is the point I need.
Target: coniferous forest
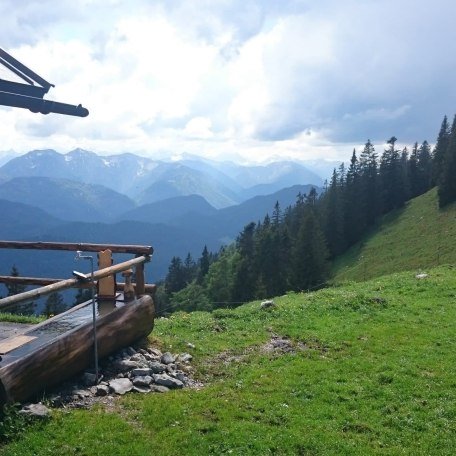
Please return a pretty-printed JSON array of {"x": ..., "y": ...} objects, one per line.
[{"x": 291, "y": 249}]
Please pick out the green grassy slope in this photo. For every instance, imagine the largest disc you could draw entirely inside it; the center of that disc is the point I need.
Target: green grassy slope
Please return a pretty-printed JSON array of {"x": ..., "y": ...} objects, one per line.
[
  {"x": 371, "y": 372},
  {"x": 415, "y": 238}
]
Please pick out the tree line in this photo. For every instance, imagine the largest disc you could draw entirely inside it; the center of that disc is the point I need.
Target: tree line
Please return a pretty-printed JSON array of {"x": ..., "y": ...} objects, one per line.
[{"x": 292, "y": 249}]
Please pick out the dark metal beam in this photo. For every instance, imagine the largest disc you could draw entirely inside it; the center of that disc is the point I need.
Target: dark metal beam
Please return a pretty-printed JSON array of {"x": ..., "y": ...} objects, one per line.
[
  {"x": 24, "y": 70},
  {"x": 39, "y": 105},
  {"x": 22, "y": 89}
]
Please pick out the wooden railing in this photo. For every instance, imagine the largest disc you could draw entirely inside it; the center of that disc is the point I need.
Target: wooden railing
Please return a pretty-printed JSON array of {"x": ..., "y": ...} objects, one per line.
[{"x": 48, "y": 285}]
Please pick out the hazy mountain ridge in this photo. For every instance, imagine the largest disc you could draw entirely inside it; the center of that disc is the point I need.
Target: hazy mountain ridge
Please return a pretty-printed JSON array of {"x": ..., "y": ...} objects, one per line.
[
  {"x": 66, "y": 199},
  {"x": 146, "y": 180}
]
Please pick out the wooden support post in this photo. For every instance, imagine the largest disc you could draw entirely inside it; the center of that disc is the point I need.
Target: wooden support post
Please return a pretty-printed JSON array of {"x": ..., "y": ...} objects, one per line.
[
  {"x": 129, "y": 289},
  {"x": 139, "y": 273},
  {"x": 107, "y": 285}
]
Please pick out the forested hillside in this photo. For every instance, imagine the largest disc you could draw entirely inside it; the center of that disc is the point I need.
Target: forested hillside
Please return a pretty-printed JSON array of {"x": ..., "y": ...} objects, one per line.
[{"x": 294, "y": 247}]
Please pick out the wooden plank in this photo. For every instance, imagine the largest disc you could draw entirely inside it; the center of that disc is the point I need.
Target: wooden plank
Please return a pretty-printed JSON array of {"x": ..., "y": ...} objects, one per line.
[
  {"x": 14, "y": 342},
  {"x": 139, "y": 273},
  {"x": 107, "y": 285},
  {"x": 149, "y": 287},
  {"x": 115, "y": 248}
]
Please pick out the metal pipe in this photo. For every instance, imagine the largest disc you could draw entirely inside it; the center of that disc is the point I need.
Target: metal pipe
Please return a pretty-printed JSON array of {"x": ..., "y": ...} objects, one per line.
[{"x": 79, "y": 256}]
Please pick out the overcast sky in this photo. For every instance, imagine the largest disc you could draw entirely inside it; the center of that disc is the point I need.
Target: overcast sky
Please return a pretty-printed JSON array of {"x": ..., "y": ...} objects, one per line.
[{"x": 254, "y": 79}]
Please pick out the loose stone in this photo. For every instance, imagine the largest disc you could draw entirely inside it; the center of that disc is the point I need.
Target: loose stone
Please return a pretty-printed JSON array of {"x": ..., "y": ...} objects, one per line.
[
  {"x": 141, "y": 372},
  {"x": 121, "y": 385},
  {"x": 144, "y": 380},
  {"x": 35, "y": 410},
  {"x": 167, "y": 358},
  {"x": 166, "y": 380}
]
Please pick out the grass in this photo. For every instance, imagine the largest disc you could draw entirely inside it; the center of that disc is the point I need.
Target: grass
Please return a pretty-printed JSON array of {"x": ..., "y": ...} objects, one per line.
[
  {"x": 416, "y": 238},
  {"x": 14, "y": 318},
  {"x": 372, "y": 372}
]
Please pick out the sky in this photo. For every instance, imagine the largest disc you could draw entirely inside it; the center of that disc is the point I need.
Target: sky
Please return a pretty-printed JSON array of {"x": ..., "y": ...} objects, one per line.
[{"x": 247, "y": 80}]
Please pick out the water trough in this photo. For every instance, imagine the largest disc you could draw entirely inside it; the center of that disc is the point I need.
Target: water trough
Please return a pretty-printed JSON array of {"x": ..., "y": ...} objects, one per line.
[{"x": 60, "y": 347}]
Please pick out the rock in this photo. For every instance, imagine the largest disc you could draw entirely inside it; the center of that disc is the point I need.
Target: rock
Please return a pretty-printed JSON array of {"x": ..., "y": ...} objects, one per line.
[
  {"x": 266, "y": 304},
  {"x": 421, "y": 276},
  {"x": 82, "y": 393},
  {"x": 89, "y": 379},
  {"x": 144, "y": 380},
  {"x": 181, "y": 376},
  {"x": 167, "y": 358},
  {"x": 101, "y": 390},
  {"x": 35, "y": 410},
  {"x": 125, "y": 365},
  {"x": 138, "y": 358},
  {"x": 159, "y": 389},
  {"x": 185, "y": 357},
  {"x": 166, "y": 380},
  {"x": 157, "y": 368},
  {"x": 121, "y": 385},
  {"x": 130, "y": 351},
  {"x": 141, "y": 372},
  {"x": 141, "y": 389},
  {"x": 155, "y": 352}
]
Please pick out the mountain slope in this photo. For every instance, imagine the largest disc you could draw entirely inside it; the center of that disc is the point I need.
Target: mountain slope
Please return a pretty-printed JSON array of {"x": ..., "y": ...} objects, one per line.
[
  {"x": 22, "y": 221},
  {"x": 226, "y": 223},
  {"x": 180, "y": 180},
  {"x": 417, "y": 237},
  {"x": 169, "y": 209},
  {"x": 66, "y": 199}
]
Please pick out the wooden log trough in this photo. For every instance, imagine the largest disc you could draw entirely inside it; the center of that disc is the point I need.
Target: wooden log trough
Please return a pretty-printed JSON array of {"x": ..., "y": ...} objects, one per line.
[{"x": 60, "y": 347}]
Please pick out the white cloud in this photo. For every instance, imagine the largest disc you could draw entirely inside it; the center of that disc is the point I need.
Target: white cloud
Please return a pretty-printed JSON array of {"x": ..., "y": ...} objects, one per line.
[{"x": 256, "y": 79}]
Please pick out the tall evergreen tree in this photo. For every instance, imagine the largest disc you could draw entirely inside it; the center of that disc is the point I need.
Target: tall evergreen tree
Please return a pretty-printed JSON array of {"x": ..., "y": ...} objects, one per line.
[
  {"x": 440, "y": 149},
  {"x": 424, "y": 166},
  {"x": 368, "y": 198},
  {"x": 54, "y": 305},
  {"x": 334, "y": 215},
  {"x": 447, "y": 181},
  {"x": 310, "y": 254},
  {"x": 175, "y": 279},
  {"x": 391, "y": 178},
  {"x": 246, "y": 276},
  {"x": 203, "y": 264},
  {"x": 354, "y": 219}
]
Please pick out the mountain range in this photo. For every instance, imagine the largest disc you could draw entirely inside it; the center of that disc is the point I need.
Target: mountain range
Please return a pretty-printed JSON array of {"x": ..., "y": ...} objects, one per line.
[{"x": 177, "y": 207}]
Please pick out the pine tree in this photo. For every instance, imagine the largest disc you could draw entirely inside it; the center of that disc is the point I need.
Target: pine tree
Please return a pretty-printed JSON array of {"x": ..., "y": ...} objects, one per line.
[
  {"x": 413, "y": 173},
  {"x": 310, "y": 254},
  {"x": 424, "y": 168},
  {"x": 246, "y": 274},
  {"x": 26, "y": 308},
  {"x": 447, "y": 181},
  {"x": 369, "y": 198},
  {"x": 334, "y": 215},
  {"x": 54, "y": 305},
  {"x": 354, "y": 219},
  {"x": 14, "y": 288},
  {"x": 175, "y": 279},
  {"x": 440, "y": 149},
  {"x": 391, "y": 178},
  {"x": 203, "y": 264}
]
